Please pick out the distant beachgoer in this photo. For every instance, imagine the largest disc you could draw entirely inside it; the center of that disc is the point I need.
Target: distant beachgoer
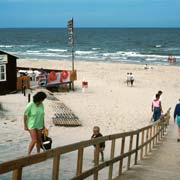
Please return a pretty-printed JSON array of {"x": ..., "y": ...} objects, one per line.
[
  {"x": 128, "y": 80},
  {"x": 146, "y": 67},
  {"x": 42, "y": 71},
  {"x": 97, "y": 134},
  {"x": 131, "y": 79},
  {"x": 33, "y": 76},
  {"x": 169, "y": 59},
  {"x": 34, "y": 120},
  {"x": 173, "y": 60},
  {"x": 177, "y": 118},
  {"x": 156, "y": 108}
]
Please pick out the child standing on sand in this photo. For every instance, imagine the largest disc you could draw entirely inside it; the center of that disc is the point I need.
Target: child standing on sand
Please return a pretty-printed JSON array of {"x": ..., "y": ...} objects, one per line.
[{"x": 97, "y": 134}]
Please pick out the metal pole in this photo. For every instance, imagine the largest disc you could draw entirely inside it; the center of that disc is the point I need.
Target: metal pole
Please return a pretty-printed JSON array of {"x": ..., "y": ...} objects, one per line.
[
  {"x": 72, "y": 45},
  {"x": 71, "y": 38},
  {"x": 72, "y": 66},
  {"x": 29, "y": 98},
  {"x": 73, "y": 58}
]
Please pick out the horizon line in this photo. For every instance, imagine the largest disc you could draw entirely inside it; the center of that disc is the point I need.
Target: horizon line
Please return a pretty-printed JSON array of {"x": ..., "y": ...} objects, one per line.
[{"x": 89, "y": 27}]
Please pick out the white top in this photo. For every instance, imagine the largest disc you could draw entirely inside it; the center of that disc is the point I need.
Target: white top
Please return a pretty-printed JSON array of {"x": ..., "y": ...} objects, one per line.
[
  {"x": 131, "y": 77},
  {"x": 128, "y": 77}
]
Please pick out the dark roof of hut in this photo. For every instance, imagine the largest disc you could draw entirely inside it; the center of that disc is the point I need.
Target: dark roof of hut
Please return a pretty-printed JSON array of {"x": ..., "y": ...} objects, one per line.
[{"x": 2, "y": 52}]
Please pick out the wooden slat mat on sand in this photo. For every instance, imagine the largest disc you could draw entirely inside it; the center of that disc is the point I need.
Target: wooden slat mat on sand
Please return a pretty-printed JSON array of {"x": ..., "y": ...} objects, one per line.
[{"x": 63, "y": 115}]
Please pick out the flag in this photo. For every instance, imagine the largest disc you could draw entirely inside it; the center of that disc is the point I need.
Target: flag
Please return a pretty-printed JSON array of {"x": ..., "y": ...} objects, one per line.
[
  {"x": 70, "y": 23},
  {"x": 70, "y": 31}
]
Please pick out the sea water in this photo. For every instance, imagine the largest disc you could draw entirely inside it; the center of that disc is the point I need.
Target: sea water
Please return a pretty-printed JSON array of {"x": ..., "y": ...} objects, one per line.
[{"x": 130, "y": 45}]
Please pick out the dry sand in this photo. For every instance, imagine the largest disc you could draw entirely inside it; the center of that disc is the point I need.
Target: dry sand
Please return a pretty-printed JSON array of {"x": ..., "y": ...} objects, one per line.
[{"x": 107, "y": 102}]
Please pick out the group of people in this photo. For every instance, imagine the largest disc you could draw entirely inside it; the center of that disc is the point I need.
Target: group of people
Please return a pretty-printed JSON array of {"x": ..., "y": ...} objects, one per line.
[
  {"x": 130, "y": 79},
  {"x": 34, "y": 120},
  {"x": 157, "y": 111},
  {"x": 171, "y": 60},
  {"x": 35, "y": 125}
]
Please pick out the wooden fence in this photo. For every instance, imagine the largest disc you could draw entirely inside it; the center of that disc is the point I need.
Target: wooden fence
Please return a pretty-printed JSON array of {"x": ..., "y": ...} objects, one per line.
[{"x": 144, "y": 139}]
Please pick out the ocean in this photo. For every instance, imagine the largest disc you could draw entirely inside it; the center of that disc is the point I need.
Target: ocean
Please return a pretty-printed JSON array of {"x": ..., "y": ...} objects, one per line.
[{"x": 126, "y": 45}]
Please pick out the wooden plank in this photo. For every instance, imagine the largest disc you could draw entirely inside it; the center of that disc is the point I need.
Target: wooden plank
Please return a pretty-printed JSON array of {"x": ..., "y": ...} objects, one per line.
[
  {"x": 161, "y": 130},
  {"x": 17, "y": 174},
  {"x": 111, "y": 157},
  {"x": 122, "y": 152},
  {"x": 121, "y": 135},
  {"x": 147, "y": 137},
  {"x": 163, "y": 126},
  {"x": 154, "y": 131},
  {"x": 91, "y": 171},
  {"x": 79, "y": 162},
  {"x": 130, "y": 148},
  {"x": 137, "y": 145},
  {"x": 96, "y": 161},
  {"x": 159, "y": 134},
  {"x": 36, "y": 158},
  {"x": 55, "y": 170},
  {"x": 150, "y": 144},
  {"x": 142, "y": 142},
  {"x": 156, "y": 127}
]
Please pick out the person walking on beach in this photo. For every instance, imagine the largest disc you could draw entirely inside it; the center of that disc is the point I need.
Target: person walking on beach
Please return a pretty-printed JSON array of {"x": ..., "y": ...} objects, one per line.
[
  {"x": 156, "y": 108},
  {"x": 177, "y": 118},
  {"x": 34, "y": 120},
  {"x": 97, "y": 134},
  {"x": 131, "y": 79},
  {"x": 128, "y": 80}
]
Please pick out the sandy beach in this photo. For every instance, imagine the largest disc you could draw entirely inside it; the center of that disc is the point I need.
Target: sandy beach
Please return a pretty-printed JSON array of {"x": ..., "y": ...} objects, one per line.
[{"x": 107, "y": 103}]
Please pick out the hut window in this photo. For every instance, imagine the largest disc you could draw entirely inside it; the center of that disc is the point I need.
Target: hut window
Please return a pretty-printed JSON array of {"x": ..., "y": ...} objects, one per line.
[{"x": 2, "y": 72}]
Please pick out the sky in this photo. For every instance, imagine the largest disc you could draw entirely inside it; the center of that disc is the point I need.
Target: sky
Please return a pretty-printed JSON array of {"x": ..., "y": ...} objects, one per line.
[{"x": 90, "y": 13}]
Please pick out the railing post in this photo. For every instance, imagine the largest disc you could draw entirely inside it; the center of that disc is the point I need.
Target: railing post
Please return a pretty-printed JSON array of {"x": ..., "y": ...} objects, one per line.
[
  {"x": 79, "y": 162},
  {"x": 130, "y": 148},
  {"x": 147, "y": 137},
  {"x": 137, "y": 145},
  {"x": 157, "y": 135},
  {"x": 122, "y": 151},
  {"x": 55, "y": 171},
  {"x": 154, "y": 132},
  {"x": 17, "y": 174},
  {"x": 142, "y": 142},
  {"x": 150, "y": 144},
  {"x": 159, "y": 131},
  {"x": 163, "y": 124},
  {"x": 111, "y": 157},
  {"x": 96, "y": 161}
]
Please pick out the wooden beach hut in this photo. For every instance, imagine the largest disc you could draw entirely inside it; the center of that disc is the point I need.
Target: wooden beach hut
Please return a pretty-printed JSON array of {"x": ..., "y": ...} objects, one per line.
[{"x": 8, "y": 74}]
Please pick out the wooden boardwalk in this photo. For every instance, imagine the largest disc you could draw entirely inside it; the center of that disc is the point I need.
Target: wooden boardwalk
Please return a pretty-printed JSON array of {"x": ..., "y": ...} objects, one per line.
[{"x": 162, "y": 164}]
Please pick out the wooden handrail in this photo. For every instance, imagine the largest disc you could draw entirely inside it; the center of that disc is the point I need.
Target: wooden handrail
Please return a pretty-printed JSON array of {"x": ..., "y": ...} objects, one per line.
[{"x": 145, "y": 137}]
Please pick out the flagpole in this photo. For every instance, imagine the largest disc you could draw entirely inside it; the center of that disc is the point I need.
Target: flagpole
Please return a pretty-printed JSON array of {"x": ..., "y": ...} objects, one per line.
[
  {"x": 72, "y": 44},
  {"x": 71, "y": 40},
  {"x": 72, "y": 50}
]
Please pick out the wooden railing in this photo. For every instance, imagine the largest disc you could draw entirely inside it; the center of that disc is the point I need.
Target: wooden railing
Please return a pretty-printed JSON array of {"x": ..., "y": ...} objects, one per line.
[{"x": 140, "y": 143}]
